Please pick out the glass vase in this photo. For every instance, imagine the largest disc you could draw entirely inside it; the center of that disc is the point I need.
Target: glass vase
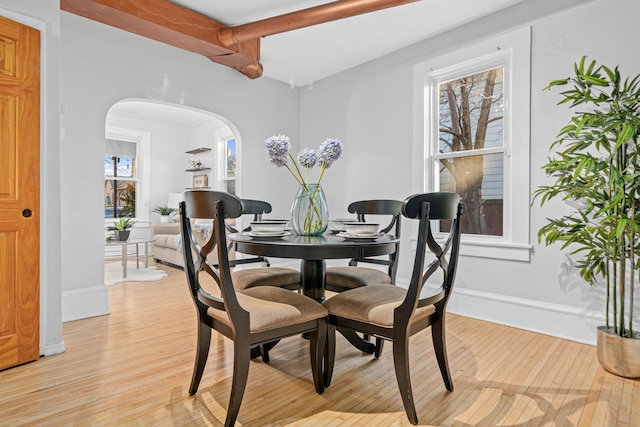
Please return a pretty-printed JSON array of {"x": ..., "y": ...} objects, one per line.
[{"x": 309, "y": 212}]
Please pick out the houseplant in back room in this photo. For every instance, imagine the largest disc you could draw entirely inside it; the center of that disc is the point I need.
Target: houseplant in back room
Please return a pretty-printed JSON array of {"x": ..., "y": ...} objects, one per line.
[
  {"x": 165, "y": 213},
  {"x": 309, "y": 211},
  {"x": 121, "y": 228},
  {"x": 597, "y": 170}
]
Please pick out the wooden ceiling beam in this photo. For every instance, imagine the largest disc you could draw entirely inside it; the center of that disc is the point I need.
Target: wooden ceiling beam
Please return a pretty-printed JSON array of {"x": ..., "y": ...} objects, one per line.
[
  {"x": 174, "y": 25},
  {"x": 236, "y": 47},
  {"x": 320, "y": 14}
]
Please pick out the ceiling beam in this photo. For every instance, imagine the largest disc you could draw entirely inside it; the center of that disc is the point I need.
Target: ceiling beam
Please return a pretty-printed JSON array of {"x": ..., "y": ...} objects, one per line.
[
  {"x": 303, "y": 18},
  {"x": 236, "y": 47},
  {"x": 174, "y": 25}
]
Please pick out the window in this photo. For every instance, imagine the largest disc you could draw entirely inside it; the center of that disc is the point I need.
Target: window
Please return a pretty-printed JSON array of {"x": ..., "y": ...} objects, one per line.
[
  {"x": 468, "y": 154},
  {"x": 126, "y": 174},
  {"x": 475, "y": 122},
  {"x": 230, "y": 165},
  {"x": 121, "y": 179},
  {"x": 227, "y": 160}
]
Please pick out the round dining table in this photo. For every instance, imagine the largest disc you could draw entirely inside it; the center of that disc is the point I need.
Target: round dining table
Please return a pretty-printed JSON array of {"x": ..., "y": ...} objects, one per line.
[{"x": 312, "y": 252}]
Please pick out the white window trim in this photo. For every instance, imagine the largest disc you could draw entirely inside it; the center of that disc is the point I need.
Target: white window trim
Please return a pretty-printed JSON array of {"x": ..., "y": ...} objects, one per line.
[
  {"x": 143, "y": 142},
  {"x": 515, "y": 242}
]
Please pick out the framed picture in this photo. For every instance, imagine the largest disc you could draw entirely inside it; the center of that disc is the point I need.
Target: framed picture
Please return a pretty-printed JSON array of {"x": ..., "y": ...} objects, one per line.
[{"x": 200, "y": 181}]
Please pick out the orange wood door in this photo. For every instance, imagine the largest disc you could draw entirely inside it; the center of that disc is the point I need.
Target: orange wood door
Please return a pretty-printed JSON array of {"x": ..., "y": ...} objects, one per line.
[{"x": 19, "y": 193}]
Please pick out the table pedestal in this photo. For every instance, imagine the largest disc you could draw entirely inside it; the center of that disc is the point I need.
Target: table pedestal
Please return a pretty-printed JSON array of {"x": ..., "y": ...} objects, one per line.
[{"x": 312, "y": 277}]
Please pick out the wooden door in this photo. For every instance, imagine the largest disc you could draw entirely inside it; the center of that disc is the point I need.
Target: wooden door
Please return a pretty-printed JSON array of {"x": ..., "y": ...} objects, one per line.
[{"x": 19, "y": 193}]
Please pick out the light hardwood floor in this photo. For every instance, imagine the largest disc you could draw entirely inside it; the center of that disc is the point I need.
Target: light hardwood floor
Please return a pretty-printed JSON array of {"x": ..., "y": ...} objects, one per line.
[{"x": 133, "y": 367}]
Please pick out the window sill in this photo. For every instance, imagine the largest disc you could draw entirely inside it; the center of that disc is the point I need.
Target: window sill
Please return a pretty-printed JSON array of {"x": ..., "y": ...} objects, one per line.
[
  {"x": 492, "y": 249},
  {"x": 499, "y": 250}
]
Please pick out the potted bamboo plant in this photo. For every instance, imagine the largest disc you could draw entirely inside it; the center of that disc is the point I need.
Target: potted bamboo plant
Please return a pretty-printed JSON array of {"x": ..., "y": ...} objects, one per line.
[{"x": 597, "y": 169}]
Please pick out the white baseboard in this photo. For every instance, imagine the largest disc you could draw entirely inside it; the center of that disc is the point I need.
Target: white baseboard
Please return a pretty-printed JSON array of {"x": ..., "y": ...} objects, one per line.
[
  {"x": 85, "y": 302},
  {"x": 54, "y": 349},
  {"x": 567, "y": 322},
  {"x": 562, "y": 321}
]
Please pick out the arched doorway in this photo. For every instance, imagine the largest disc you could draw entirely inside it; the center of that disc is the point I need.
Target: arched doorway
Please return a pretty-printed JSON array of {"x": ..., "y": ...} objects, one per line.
[
  {"x": 153, "y": 152},
  {"x": 175, "y": 147}
]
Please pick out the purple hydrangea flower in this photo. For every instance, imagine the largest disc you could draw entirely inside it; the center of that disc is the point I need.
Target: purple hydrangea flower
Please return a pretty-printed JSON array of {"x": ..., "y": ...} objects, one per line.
[
  {"x": 307, "y": 158},
  {"x": 330, "y": 151},
  {"x": 277, "y": 147}
]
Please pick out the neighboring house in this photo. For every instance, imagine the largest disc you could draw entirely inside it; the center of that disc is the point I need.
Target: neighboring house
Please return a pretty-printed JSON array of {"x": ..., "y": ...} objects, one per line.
[{"x": 89, "y": 67}]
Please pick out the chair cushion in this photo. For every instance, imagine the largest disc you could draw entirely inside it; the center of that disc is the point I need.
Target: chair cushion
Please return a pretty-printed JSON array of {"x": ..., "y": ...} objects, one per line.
[
  {"x": 372, "y": 304},
  {"x": 264, "y": 276},
  {"x": 355, "y": 277},
  {"x": 271, "y": 307}
]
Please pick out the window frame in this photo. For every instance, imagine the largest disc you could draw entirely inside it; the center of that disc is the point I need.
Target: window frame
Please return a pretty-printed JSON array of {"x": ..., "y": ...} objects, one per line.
[
  {"x": 143, "y": 143},
  {"x": 222, "y": 137},
  {"x": 513, "y": 51}
]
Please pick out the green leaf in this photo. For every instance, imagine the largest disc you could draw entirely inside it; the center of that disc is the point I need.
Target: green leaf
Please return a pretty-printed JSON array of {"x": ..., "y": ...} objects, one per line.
[
  {"x": 557, "y": 83},
  {"x": 597, "y": 81},
  {"x": 622, "y": 224},
  {"x": 611, "y": 74}
]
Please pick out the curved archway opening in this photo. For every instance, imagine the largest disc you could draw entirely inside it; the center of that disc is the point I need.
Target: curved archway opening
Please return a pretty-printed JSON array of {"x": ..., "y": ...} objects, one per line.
[{"x": 155, "y": 150}]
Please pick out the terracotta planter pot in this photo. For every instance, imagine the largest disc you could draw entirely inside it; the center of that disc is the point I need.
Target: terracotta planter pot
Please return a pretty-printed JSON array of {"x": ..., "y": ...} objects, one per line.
[{"x": 620, "y": 356}]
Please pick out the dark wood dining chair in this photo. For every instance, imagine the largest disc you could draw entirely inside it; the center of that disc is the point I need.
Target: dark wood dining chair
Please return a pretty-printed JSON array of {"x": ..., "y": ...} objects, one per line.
[
  {"x": 250, "y": 317},
  {"x": 339, "y": 279},
  {"x": 265, "y": 275},
  {"x": 395, "y": 313},
  {"x": 257, "y": 208}
]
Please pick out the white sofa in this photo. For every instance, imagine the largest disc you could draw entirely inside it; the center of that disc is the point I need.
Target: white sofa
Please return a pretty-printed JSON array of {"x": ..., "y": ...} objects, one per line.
[{"x": 167, "y": 237}]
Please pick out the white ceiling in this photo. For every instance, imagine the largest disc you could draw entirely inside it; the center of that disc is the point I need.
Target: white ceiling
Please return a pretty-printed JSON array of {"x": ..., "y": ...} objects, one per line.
[{"x": 303, "y": 56}]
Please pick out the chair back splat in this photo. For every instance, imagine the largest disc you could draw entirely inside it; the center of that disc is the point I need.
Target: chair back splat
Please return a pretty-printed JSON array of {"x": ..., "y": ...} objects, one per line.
[
  {"x": 339, "y": 279},
  {"x": 393, "y": 313},
  {"x": 255, "y": 319},
  {"x": 264, "y": 275}
]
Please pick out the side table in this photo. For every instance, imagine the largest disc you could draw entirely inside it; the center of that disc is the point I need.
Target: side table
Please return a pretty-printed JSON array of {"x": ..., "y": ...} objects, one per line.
[{"x": 124, "y": 245}]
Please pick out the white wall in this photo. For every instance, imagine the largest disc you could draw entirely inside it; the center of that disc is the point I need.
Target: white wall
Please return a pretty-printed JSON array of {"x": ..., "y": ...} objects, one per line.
[
  {"x": 370, "y": 107},
  {"x": 102, "y": 65}
]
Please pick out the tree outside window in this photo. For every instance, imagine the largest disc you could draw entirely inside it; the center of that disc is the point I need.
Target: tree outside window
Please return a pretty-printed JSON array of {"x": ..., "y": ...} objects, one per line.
[{"x": 470, "y": 147}]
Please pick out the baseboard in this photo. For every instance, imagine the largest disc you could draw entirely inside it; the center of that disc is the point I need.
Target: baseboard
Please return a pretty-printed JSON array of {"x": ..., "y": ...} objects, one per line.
[
  {"x": 567, "y": 322},
  {"x": 85, "y": 302},
  {"x": 54, "y": 349},
  {"x": 562, "y": 321}
]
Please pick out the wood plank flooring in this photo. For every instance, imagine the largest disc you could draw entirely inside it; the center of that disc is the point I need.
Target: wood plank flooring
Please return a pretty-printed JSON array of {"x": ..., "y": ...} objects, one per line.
[{"x": 133, "y": 368}]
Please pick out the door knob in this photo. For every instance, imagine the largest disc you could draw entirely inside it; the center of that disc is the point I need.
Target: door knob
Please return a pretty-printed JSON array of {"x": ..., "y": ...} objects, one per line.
[{"x": 27, "y": 213}]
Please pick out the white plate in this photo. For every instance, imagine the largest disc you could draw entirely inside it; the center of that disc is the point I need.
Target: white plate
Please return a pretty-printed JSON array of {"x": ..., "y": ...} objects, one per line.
[
  {"x": 267, "y": 232},
  {"x": 359, "y": 236},
  {"x": 265, "y": 236}
]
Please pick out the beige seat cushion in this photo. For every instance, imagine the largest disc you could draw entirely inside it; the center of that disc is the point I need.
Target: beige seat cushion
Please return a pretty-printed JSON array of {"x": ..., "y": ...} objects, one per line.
[
  {"x": 372, "y": 304},
  {"x": 355, "y": 277},
  {"x": 265, "y": 276},
  {"x": 271, "y": 307}
]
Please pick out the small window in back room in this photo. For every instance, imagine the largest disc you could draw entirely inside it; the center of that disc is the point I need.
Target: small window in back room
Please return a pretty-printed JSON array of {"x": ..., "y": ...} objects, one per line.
[
  {"x": 230, "y": 166},
  {"x": 121, "y": 179}
]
